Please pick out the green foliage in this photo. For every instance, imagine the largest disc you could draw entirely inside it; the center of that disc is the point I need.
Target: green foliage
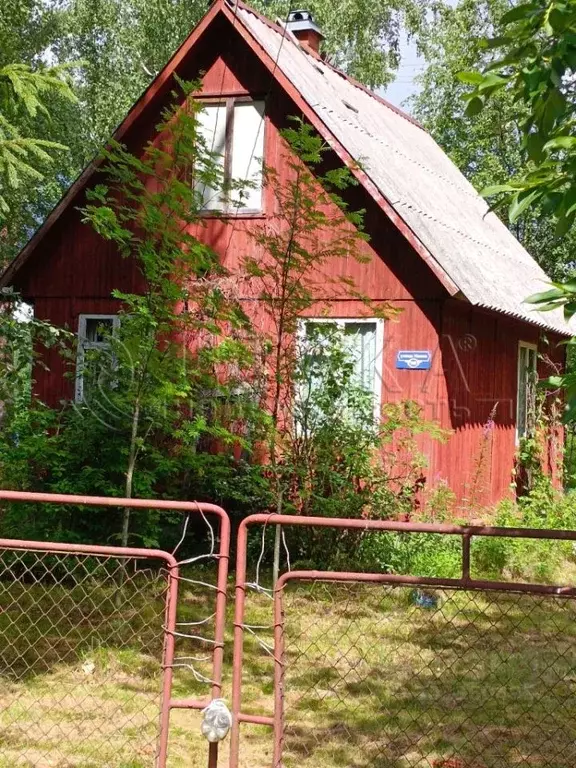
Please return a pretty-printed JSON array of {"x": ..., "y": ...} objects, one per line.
[
  {"x": 22, "y": 339},
  {"x": 172, "y": 379},
  {"x": 488, "y": 148},
  {"x": 529, "y": 559},
  {"x": 432, "y": 555},
  {"x": 312, "y": 229},
  {"x": 72, "y": 452},
  {"x": 342, "y": 458},
  {"x": 23, "y": 93},
  {"x": 561, "y": 296},
  {"x": 322, "y": 449},
  {"x": 182, "y": 340},
  {"x": 28, "y": 29},
  {"x": 534, "y": 57},
  {"x": 418, "y": 554}
]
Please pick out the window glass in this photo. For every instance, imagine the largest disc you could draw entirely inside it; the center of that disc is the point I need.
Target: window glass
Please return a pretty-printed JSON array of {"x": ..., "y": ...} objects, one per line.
[
  {"x": 247, "y": 153},
  {"x": 98, "y": 330},
  {"x": 95, "y": 362},
  {"x": 361, "y": 338},
  {"x": 239, "y": 160},
  {"x": 212, "y": 124},
  {"x": 327, "y": 350}
]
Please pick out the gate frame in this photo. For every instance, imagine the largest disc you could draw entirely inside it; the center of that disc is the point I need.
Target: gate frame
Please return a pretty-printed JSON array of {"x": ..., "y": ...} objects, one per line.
[
  {"x": 169, "y": 629},
  {"x": 465, "y": 582}
]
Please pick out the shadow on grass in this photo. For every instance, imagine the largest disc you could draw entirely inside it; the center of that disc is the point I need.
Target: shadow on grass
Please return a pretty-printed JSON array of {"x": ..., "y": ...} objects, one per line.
[{"x": 482, "y": 680}]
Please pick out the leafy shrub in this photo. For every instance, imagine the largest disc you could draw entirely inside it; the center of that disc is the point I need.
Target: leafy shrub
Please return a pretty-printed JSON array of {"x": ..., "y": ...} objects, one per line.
[
  {"x": 71, "y": 452},
  {"x": 528, "y": 559},
  {"x": 417, "y": 554}
]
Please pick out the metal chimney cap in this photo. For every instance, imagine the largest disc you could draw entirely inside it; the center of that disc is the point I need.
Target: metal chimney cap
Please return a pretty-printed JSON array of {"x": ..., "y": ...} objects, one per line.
[{"x": 302, "y": 21}]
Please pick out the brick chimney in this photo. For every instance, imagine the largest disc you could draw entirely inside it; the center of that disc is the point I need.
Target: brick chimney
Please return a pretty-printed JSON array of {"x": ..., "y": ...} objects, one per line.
[{"x": 305, "y": 29}]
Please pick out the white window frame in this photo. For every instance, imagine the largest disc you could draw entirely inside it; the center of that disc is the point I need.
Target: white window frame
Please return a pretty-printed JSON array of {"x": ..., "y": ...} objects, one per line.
[
  {"x": 84, "y": 344},
  {"x": 341, "y": 322},
  {"x": 520, "y": 379},
  {"x": 229, "y": 104}
]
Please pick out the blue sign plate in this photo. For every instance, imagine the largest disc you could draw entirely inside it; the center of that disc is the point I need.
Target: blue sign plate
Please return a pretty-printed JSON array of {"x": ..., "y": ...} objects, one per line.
[{"x": 414, "y": 359}]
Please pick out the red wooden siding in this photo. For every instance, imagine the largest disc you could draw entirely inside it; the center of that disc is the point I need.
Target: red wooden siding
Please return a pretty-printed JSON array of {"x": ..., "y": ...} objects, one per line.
[{"x": 474, "y": 365}]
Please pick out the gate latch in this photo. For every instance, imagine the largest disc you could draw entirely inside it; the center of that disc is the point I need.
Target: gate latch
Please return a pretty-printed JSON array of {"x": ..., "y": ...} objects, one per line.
[{"x": 217, "y": 721}]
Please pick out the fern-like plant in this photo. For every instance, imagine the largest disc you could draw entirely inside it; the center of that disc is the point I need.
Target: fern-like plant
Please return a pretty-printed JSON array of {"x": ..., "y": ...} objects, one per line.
[{"x": 23, "y": 92}]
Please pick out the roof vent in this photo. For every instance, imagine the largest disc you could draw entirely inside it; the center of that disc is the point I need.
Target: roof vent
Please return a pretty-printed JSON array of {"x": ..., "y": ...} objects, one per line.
[{"x": 305, "y": 29}]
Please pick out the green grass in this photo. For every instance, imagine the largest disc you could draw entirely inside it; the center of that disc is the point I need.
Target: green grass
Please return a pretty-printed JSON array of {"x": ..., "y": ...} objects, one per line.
[
  {"x": 480, "y": 681},
  {"x": 371, "y": 678}
]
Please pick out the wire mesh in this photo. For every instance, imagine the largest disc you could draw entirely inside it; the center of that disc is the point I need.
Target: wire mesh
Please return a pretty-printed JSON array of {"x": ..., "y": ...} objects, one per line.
[
  {"x": 81, "y": 642},
  {"x": 405, "y": 677}
]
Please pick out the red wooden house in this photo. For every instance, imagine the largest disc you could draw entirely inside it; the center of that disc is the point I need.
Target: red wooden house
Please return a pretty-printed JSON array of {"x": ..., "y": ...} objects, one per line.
[{"x": 465, "y": 343}]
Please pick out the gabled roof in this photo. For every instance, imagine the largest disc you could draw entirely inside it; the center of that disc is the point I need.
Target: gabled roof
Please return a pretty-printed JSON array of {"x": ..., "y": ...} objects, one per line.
[{"x": 469, "y": 249}]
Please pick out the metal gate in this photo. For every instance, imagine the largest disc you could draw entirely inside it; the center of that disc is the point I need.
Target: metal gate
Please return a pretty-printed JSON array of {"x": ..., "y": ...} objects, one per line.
[
  {"x": 91, "y": 637},
  {"x": 395, "y": 670}
]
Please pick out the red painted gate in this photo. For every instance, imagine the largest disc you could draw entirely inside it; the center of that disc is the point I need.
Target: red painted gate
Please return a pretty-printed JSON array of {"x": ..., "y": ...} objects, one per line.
[
  {"x": 399, "y": 670},
  {"x": 81, "y": 627}
]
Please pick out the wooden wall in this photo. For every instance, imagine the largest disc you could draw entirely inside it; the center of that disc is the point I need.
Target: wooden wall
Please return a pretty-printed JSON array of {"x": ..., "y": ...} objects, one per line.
[{"x": 474, "y": 368}]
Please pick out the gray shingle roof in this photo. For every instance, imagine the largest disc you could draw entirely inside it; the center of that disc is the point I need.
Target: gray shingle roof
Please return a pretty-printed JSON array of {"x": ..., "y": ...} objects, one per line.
[{"x": 471, "y": 246}]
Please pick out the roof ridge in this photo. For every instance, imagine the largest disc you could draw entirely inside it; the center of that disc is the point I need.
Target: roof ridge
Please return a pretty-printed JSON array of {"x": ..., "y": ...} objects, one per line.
[{"x": 352, "y": 80}]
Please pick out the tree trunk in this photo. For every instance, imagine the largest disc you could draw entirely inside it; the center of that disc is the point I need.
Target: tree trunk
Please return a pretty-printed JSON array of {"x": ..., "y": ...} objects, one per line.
[
  {"x": 128, "y": 494},
  {"x": 130, "y": 473}
]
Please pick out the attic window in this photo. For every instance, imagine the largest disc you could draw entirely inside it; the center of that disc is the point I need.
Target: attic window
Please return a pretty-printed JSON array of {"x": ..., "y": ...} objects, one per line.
[{"x": 234, "y": 131}]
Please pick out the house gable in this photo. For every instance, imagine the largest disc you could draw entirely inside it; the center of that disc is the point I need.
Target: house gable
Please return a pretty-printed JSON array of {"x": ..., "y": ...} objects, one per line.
[{"x": 188, "y": 62}]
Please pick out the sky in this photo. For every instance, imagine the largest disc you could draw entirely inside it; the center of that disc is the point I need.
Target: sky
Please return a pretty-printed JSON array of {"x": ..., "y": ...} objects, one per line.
[
  {"x": 411, "y": 66},
  {"x": 404, "y": 85}
]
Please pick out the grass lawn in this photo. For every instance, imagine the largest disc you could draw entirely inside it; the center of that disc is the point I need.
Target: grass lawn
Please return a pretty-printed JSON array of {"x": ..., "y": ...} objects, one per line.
[{"x": 375, "y": 676}]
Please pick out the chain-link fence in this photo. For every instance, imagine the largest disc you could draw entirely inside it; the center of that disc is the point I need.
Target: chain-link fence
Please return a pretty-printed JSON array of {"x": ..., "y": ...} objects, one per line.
[
  {"x": 99, "y": 645},
  {"x": 105, "y": 651},
  {"x": 406, "y": 676},
  {"x": 81, "y": 657}
]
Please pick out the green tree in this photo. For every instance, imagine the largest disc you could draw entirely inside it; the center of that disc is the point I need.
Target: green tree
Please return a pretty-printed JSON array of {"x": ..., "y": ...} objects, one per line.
[
  {"x": 162, "y": 384},
  {"x": 36, "y": 103},
  {"x": 22, "y": 95},
  {"x": 327, "y": 444},
  {"x": 487, "y": 149},
  {"x": 534, "y": 64},
  {"x": 182, "y": 340}
]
